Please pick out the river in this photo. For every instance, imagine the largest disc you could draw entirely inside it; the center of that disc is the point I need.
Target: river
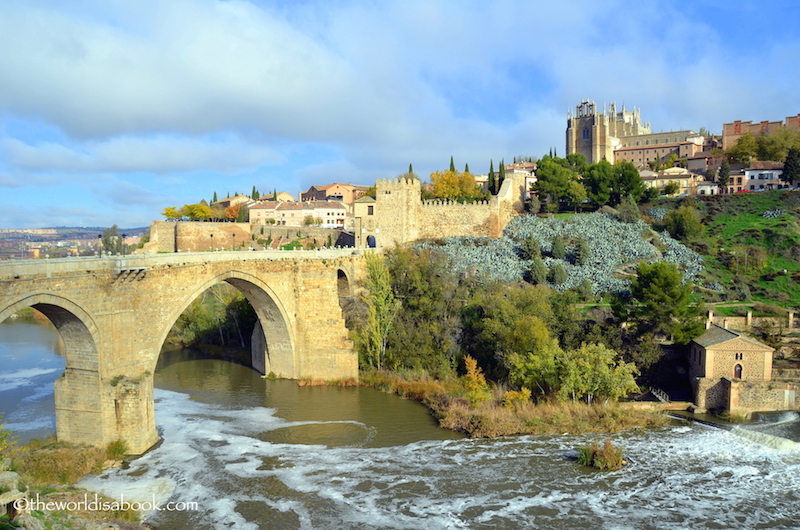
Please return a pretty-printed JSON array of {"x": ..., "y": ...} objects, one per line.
[{"x": 254, "y": 453}]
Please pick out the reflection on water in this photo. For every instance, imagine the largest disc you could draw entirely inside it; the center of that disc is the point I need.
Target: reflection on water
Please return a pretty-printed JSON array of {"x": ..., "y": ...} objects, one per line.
[{"x": 31, "y": 358}]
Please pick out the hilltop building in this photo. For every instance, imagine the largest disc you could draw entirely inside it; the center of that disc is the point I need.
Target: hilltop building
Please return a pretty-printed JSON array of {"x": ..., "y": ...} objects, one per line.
[
  {"x": 346, "y": 194},
  {"x": 325, "y": 214},
  {"x": 596, "y": 135},
  {"x": 732, "y": 131}
]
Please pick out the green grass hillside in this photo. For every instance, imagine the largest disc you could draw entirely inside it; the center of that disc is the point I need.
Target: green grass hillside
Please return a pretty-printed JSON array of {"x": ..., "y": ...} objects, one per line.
[{"x": 751, "y": 244}]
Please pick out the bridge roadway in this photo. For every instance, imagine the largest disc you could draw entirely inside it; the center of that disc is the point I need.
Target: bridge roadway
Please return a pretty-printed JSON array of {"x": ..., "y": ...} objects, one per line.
[{"x": 114, "y": 313}]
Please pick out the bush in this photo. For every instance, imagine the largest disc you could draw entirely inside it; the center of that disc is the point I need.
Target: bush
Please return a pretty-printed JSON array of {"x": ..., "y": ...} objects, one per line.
[
  {"x": 607, "y": 458},
  {"x": 512, "y": 397},
  {"x": 117, "y": 450},
  {"x": 475, "y": 383}
]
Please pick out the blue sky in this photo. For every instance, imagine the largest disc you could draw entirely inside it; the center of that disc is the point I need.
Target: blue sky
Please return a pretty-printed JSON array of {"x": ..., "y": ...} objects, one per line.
[{"x": 111, "y": 110}]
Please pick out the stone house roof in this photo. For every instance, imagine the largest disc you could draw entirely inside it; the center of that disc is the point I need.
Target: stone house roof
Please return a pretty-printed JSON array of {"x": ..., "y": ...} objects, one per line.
[{"x": 718, "y": 335}]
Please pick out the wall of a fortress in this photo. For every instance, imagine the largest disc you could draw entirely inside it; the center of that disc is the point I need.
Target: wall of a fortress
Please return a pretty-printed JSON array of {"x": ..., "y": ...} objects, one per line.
[{"x": 445, "y": 219}]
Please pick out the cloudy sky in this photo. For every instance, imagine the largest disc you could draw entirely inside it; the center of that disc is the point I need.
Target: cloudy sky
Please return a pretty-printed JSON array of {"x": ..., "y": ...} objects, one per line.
[{"x": 111, "y": 110}]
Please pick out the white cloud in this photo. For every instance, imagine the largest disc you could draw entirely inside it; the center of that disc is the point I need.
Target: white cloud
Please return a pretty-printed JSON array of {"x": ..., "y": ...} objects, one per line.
[{"x": 158, "y": 154}]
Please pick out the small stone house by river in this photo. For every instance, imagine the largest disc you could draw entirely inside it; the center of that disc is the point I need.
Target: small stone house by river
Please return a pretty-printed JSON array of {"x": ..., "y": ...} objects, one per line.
[{"x": 733, "y": 372}]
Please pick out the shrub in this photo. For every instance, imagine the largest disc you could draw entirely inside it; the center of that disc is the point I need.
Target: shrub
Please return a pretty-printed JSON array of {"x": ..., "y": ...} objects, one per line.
[
  {"x": 512, "y": 397},
  {"x": 607, "y": 458},
  {"x": 475, "y": 383},
  {"x": 117, "y": 450},
  {"x": 558, "y": 251}
]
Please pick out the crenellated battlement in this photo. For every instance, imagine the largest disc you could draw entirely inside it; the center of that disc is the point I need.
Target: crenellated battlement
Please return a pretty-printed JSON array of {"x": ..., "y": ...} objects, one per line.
[{"x": 448, "y": 203}]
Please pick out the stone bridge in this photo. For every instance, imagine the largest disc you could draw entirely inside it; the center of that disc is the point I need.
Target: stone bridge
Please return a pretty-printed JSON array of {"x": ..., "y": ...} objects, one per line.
[{"x": 114, "y": 313}]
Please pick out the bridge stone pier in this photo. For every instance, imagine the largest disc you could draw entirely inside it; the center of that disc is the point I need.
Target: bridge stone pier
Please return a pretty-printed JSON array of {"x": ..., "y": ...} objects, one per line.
[{"x": 114, "y": 313}]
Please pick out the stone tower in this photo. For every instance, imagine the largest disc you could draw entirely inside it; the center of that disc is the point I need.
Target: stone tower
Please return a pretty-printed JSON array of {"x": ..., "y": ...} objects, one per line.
[{"x": 596, "y": 134}]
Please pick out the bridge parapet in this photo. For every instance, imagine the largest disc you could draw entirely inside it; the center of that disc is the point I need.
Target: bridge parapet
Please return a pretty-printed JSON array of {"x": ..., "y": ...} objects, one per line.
[{"x": 16, "y": 269}]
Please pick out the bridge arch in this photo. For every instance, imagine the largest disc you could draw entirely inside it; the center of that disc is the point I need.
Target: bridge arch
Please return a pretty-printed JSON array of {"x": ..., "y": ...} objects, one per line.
[
  {"x": 76, "y": 328},
  {"x": 273, "y": 342}
]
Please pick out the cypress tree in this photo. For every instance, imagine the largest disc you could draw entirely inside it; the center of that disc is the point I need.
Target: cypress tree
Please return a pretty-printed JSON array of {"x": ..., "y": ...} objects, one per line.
[
  {"x": 410, "y": 169},
  {"x": 791, "y": 166},
  {"x": 214, "y": 199},
  {"x": 491, "y": 183},
  {"x": 724, "y": 174},
  {"x": 538, "y": 271},
  {"x": 557, "y": 274},
  {"x": 452, "y": 164},
  {"x": 558, "y": 251},
  {"x": 502, "y": 173},
  {"x": 531, "y": 248},
  {"x": 274, "y": 194}
]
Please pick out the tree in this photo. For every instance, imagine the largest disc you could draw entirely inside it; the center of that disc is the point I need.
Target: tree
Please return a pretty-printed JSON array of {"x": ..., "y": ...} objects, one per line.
[
  {"x": 112, "y": 241},
  {"x": 410, "y": 169},
  {"x": 214, "y": 198},
  {"x": 452, "y": 164},
  {"x": 776, "y": 145},
  {"x": 598, "y": 181},
  {"x": 684, "y": 223},
  {"x": 558, "y": 251},
  {"x": 382, "y": 309},
  {"x": 274, "y": 194},
  {"x": 531, "y": 248},
  {"x": 557, "y": 183},
  {"x": 626, "y": 181},
  {"x": 791, "y": 166},
  {"x": 628, "y": 210},
  {"x": 466, "y": 168},
  {"x": 744, "y": 150},
  {"x": 172, "y": 213},
  {"x": 455, "y": 186},
  {"x": 557, "y": 274},
  {"x": 724, "y": 174},
  {"x": 660, "y": 302},
  {"x": 582, "y": 251},
  {"x": 196, "y": 212},
  {"x": 538, "y": 271},
  {"x": 254, "y": 194},
  {"x": 232, "y": 212},
  {"x": 671, "y": 188},
  {"x": 502, "y": 176},
  {"x": 594, "y": 371},
  {"x": 244, "y": 214},
  {"x": 532, "y": 362},
  {"x": 491, "y": 183}
]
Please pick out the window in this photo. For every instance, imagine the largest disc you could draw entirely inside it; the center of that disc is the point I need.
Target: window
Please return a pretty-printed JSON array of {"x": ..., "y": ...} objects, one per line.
[
  {"x": 370, "y": 210},
  {"x": 585, "y": 133},
  {"x": 739, "y": 356}
]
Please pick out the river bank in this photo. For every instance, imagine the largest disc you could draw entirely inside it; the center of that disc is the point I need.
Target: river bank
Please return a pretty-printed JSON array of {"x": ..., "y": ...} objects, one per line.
[{"x": 500, "y": 416}]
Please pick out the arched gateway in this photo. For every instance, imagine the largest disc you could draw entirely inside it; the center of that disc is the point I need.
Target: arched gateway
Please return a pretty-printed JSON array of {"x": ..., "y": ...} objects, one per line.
[{"x": 114, "y": 315}]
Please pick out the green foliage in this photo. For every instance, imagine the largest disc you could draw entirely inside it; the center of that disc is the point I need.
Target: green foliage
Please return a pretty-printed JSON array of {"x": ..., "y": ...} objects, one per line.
[
  {"x": 594, "y": 371},
  {"x": 671, "y": 188},
  {"x": 499, "y": 319},
  {"x": 660, "y": 302},
  {"x": 117, "y": 450},
  {"x": 558, "y": 251},
  {"x": 626, "y": 181},
  {"x": 220, "y": 316},
  {"x": 582, "y": 251},
  {"x": 382, "y": 307},
  {"x": 531, "y": 248},
  {"x": 112, "y": 240},
  {"x": 724, "y": 174},
  {"x": 538, "y": 271},
  {"x": 598, "y": 180},
  {"x": 557, "y": 274},
  {"x": 791, "y": 166},
  {"x": 744, "y": 150},
  {"x": 428, "y": 324},
  {"x": 684, "y": 223},
  {"x": 586, "y": 290},
  {"x": 628, "y": 210},
  {"x": 558, "y": 183}
]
